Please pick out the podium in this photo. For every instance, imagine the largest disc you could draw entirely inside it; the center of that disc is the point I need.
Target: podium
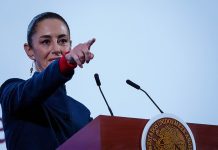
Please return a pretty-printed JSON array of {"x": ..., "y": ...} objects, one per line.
[{"x": 120, "y": 133}]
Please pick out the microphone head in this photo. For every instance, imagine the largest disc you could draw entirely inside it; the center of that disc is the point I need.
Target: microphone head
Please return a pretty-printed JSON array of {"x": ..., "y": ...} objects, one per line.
[
  {"x": 97, "y": 79},
  {"x": 133, "y": 84}
]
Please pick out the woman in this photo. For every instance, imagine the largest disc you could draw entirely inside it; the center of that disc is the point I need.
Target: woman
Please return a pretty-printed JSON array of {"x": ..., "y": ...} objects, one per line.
[{"x": 37, "y": 113}]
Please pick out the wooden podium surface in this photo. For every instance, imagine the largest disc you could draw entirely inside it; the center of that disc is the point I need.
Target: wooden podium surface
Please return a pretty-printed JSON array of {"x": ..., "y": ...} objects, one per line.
[{"x": 120, "y": 133}]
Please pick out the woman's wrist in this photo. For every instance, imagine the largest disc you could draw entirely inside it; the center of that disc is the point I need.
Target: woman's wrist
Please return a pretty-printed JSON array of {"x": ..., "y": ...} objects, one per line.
[
  {"x": 69, "y": 58},
  {"x": 65, "y": 64}
]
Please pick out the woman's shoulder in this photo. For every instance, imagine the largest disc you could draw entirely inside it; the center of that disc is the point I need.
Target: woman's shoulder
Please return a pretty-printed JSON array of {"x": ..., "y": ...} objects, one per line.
[{"x": 11, "y": 81}]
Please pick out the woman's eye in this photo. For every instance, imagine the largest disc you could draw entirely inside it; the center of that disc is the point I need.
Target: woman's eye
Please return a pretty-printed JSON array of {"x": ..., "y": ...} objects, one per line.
[
  {"x": 45, "y": 42},
  {"x": 63, "y": 41}
]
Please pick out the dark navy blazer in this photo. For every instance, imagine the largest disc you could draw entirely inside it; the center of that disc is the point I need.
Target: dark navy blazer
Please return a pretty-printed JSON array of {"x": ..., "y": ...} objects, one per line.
[{"x": 37, "y": 113}]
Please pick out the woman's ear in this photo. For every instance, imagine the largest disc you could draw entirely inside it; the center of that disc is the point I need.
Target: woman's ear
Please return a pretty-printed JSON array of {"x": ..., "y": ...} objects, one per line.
[{"x": 29, "y": 51}]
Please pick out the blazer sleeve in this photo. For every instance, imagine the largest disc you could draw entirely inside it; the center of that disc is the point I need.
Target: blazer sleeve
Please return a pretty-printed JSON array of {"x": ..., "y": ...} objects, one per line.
[{"x": 17, "y": 93}]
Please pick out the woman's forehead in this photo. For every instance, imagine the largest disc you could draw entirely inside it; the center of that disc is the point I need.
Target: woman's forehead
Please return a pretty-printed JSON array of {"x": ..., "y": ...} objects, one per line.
[{"x": 51, "y": 27}]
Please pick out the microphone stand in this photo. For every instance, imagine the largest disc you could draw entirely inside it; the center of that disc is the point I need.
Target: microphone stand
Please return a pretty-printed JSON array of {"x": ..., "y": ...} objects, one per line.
[
  {"x": 152, "y": 100},
  {"x": 106, "y": 102}
]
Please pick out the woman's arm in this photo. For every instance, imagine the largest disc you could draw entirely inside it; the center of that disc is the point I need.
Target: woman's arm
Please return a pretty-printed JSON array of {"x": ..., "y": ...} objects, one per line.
[{"x": 17, "y": 93}]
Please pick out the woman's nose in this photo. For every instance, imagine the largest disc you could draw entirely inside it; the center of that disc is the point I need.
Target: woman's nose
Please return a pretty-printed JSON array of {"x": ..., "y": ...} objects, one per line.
[{"x": 56, "y": 49}]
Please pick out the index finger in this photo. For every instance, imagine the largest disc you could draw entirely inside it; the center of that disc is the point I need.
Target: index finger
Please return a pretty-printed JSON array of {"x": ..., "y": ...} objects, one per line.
[{"x": 90, "y": 42}]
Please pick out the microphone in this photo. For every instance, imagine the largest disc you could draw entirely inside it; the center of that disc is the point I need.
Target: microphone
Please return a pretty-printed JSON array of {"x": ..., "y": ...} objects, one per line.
[
  {"x": 97, "y": 80},
  {"x": 138, "y": 88},
  {"x": 99, "y": 85},
  {"x": 133, "y": 84}
]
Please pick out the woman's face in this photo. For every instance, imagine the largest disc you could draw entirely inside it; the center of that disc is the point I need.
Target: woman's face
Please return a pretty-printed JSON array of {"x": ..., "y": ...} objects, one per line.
[{"x": 50, "y": 41}]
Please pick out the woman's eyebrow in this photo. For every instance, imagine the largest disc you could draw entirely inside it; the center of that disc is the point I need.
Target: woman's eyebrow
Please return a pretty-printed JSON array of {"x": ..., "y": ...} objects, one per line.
[
  {"x": 45, "y": 36},
  {"x": 62, "y": 35},
  {"x": 49, "y": 36}
]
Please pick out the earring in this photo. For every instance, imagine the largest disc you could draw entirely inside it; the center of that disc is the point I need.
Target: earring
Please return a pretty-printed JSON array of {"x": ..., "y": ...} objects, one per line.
[{"x": 31, "y": 69}]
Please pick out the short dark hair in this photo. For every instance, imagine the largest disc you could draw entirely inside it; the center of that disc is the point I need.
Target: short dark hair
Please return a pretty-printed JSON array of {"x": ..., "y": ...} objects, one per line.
[{"x": 40, "y": 17}]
